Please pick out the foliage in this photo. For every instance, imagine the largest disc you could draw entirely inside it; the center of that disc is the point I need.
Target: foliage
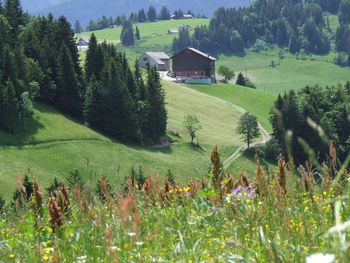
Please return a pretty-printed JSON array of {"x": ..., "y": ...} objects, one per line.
[
  {"x": 226, "y": 72},
  {"x": 248, "y": 128},
  {"x": 192, "y": 126},
  {"x": 316, "y": 115},
  {"x": 297, "y": 25},
  {"x": 288, "y": 216},
  {"x": 127, "y": 34},
  {"x": 137, "y": 33},
  {"x": 240, "y": 79}
]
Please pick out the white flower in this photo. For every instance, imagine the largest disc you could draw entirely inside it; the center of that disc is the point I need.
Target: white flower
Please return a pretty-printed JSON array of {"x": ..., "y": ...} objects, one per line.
[{"x": 320, "y": 258}]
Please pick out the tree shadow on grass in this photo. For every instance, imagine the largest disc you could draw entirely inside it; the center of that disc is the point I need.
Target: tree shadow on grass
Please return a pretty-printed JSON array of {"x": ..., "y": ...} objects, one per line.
[{"x": 22, "y": 136}]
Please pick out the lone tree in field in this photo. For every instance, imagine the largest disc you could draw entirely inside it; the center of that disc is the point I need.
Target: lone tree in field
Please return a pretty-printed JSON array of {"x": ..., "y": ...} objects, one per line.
[
  {"x": 248, "y": 127},
  {"x": 137, "y": 33},
  {"x": 192, "y": 126},
  {"x": 241, "y": 80},
  {"x": 227, "y": 73},
  {"x": 127, "y": 35}
]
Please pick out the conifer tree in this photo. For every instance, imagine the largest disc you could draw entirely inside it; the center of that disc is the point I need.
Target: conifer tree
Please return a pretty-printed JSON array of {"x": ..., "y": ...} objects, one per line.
[
  {"x": 157, "y": 118},
  {"x": 241, "y": 80},
  {"x": 68, "y": 97},
  {"x": 141, "y": 17},
  {"x": 9, "y": 107},
  {"x": 92, "y": 104},
  {"x": 152, "y": 14},
  {"x": 137, "y": 33},
  {"x": 164, "y": 13},
  {"x": 15, "y": 16},
  {"x": 65, "y": 34},
  {"x": 127, "y": 34},
  {"x": 91, "y": 59}
]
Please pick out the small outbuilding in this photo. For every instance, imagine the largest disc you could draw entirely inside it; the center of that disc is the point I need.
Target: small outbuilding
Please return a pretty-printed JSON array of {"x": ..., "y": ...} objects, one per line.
[
  {"x": 193, "y": 66},
  {"x": 160, "y": 60}
]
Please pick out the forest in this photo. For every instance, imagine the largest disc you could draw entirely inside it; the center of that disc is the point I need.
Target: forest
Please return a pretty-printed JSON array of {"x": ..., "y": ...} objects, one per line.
[
  {"x": 312, "y": 118},
  {"x": 296, "y": 25},
  {"x": 47, "y": 69}
]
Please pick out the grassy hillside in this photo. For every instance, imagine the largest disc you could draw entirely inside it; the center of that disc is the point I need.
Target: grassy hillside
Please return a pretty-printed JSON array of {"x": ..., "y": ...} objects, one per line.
[
  {"x": 154, "y": 36},
  {"x": 290, "y": 218},
  {"x": 289, "y": 73},
  {"x": 49, "y": 125},
  {"x": 58, "y": 144},
  {"x": 257, "y": 102}
]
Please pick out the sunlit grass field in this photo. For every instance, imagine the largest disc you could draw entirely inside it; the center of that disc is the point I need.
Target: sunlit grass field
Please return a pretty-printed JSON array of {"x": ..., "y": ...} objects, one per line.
[
  {"x": 289, "y": 73},
  {"x": 55, "y": 145},
  {"x": 275, "y": 217}
]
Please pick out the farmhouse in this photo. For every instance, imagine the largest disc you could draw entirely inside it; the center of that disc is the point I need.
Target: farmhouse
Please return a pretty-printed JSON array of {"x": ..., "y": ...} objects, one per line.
[
  {"x": 193, "y": 66},
  {"x": 160, "y": 60}
]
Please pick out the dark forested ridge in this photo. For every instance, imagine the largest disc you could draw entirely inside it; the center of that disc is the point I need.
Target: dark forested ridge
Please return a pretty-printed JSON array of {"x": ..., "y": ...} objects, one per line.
[
  {"x": 297, "y": 25},
  {"x": 39, "y": 60},
  {"x": 86, "y": 10}
]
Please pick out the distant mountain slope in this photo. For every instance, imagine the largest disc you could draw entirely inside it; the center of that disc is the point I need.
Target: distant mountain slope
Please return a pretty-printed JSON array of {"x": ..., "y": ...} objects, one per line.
[
  {"x": 34, "y": 6},
  {"x": 85, "y": 10}
]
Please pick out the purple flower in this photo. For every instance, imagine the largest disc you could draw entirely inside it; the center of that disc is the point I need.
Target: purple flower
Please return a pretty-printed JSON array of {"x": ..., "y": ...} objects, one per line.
[{"x": 243, "y": 192}]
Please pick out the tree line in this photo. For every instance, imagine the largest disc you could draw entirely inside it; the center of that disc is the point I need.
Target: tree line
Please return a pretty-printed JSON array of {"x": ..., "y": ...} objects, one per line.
[
  {"x": 297, "y": 25},
  {"x": 141, "y": 16},
  {"x": 39, "y": 61},
  {"x": 118, "y": 101},
  {"x": 314, "y": 117}
]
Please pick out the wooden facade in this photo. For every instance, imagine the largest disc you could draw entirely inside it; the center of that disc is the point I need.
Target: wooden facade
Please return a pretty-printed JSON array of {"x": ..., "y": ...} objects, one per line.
[{"x": 193, "y": 64}]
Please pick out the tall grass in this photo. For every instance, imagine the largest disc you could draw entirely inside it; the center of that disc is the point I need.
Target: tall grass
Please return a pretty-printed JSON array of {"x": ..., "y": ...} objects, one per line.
[{"x": 281, "y": 217}]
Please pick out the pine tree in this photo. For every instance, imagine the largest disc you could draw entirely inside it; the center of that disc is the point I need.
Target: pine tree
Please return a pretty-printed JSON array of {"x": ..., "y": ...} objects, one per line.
[
  {"x": 127, "y": 34},
  {"x": 141, "y": 93},
  {"x": 152, "y": 14},
  {"x": 77, "y": 27},
  {"x": 241, "y": 80},
  {"x": 141, "y": 17},
  {"x": 68, "y": 97},
  {"x": 64, "y": 33},
  {"x": 164, "y": 13},
  {"x": 137, "y": 33},
  {"x": 92, "y": 104},
  {"x": 157, "y": 117},
  {"x": 9, "y": 107},
  {"x": 15, "y": 16},
  {"x": 90, "y": 68}
]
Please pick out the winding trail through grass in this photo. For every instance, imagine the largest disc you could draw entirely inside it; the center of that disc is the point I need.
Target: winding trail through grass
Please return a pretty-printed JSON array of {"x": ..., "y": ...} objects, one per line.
[{"x": 265, "y": 136}]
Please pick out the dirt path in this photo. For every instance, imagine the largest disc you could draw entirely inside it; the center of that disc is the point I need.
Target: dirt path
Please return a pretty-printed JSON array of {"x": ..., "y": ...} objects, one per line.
[{"x": 265, "y": 136}]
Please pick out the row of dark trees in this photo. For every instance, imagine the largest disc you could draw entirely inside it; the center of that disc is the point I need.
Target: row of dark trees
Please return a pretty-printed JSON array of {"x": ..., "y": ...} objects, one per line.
[
  {"x": 118, "y": 101},
  {"x": 141, "y": 16},
  {"x": 301, "y": 113},
  {"x": 298, "y": 25},
  {"x": 39, "y": 60}
]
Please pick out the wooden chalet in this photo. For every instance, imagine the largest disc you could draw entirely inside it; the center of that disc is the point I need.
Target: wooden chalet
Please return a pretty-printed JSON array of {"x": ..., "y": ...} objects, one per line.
[{"x": 193, "y": 66}]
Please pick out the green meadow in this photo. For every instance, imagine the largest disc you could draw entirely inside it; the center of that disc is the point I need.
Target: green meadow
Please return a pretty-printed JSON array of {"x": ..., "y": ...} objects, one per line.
[
  {"x": 154, "y": 36},
  {"x": 54, "y": 145},
  {"x": 289, "y": 72}
]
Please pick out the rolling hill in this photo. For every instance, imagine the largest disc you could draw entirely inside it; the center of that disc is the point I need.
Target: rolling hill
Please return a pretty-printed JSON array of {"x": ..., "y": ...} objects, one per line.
[
  {"x": 85, "y": 10},
  {"x": 291, "y": 72},
  {"x": 55, "y": 144}
]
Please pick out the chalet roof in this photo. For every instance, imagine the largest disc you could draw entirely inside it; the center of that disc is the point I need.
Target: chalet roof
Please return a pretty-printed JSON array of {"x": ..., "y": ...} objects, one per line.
[
  {"x": 198, "y": 52},
  {"x": 158, "y": 57}
]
